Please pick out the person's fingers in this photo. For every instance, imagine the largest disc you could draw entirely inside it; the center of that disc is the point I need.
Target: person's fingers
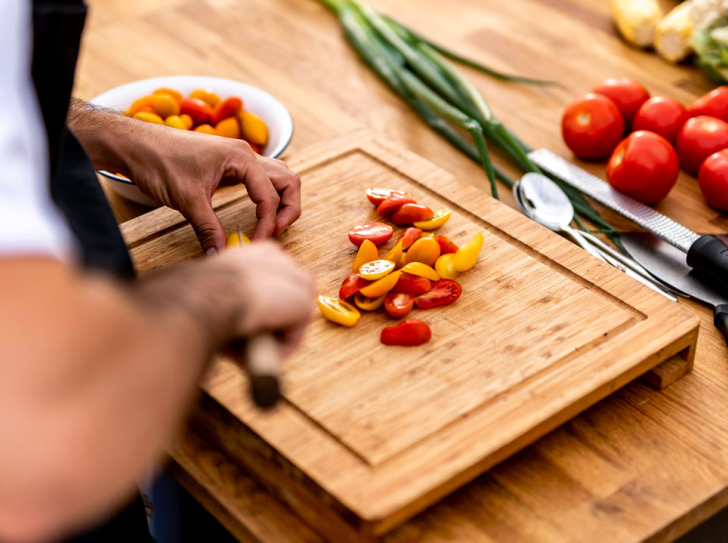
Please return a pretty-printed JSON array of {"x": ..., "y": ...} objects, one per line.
[
  {"x": 261, "y": 192},
  {"x": 206, "y": 225},
  {"x": 288, "y": 185}
]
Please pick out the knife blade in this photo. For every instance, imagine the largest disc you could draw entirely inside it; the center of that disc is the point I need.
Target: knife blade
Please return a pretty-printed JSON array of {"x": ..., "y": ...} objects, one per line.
[
  {"x": 667, "y": 264},
  {"x": 705, "y": 253}
]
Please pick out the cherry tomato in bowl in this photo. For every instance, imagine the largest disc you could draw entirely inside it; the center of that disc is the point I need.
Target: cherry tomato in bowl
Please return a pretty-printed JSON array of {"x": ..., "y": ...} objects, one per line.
[
  {"x": 661, "y": 115},
  {"x": 376, "y": 232},
  {"x": 399, "y": 304},
  {"x": 713, "y": 180},
  {"x": 443, "y": 292},
  {"x": 644, "y": 166},
  {"x": 200, "y": 111},
  {"x": 626, "y": 93},
  {"x": 699, "y": 138},
  {"x": 229, "y": 107},
  {"x": 409, "y": 333},
  {"x": 712, "y": 104},
  {"x": 409, "y": 213},
  {"x": 592, "y": 126}
]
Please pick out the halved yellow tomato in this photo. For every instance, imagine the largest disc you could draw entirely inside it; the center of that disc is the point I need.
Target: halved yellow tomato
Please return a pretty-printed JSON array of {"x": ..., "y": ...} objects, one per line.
[
  {"x": 445, "y": 266},
  {"x": 423, "y": 270},
  {"x": 425, "y": 250},
  {"x": 367, "y": 253},
  {"x": 467, "y": 255},
  {"x": 440, "y": 217},
  {"x": 338, "y": 311},
  {"x": 368, "y": 304},
  {"x": 382, "y": 286},
  {"x": 395, "y": 255},
  {"x": 235, "y": 240},
  {"x": 377, "y": 269}
]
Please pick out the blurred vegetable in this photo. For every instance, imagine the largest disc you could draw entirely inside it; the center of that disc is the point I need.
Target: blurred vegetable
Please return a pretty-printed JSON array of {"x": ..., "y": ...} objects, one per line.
[
  {"x": 175, "y": 121},
  {"x": 206, "y": 129},
  {"x": 228, "y": 128},
  {"x": 206, "y": 95},
  {"x": 673, "y": 36},
  {"x": 636, "y": 20},
  {"x": 148, "y": 117},
  {"x": 253, "y": 127},
  {"x": 710, "y": 36}
]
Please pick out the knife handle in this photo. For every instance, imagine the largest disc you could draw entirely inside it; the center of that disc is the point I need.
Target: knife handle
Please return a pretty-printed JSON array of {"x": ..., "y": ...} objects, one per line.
[
  {"x": 720, "y": 314},
  {"x": 709, "y": 254},
  {"x": 263, "y": 367}
]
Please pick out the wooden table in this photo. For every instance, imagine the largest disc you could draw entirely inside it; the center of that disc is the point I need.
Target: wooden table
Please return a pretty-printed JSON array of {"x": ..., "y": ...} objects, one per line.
[{"x": 641, "y": 465}]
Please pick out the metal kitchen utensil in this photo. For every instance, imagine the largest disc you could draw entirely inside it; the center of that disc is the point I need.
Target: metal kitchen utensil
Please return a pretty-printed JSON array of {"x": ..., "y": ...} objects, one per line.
[
  {"x": 705, "y": 253},
  {"x": 668, "y": 264},
  {"x": 262, "y": 365},
  {"x": 543, "y": 201}
]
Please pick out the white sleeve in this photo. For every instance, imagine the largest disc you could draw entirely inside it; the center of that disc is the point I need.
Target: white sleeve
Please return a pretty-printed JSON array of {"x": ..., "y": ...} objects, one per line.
[{"x": 29, "y": 222}]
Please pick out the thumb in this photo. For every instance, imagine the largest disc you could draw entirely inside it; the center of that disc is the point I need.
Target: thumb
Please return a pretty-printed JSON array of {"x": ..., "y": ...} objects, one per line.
[{"x": 207, "y": 227}]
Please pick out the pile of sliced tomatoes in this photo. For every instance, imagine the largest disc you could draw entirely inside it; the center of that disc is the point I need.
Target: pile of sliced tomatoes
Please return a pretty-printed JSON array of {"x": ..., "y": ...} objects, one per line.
[{"x": 418, "y": 271}]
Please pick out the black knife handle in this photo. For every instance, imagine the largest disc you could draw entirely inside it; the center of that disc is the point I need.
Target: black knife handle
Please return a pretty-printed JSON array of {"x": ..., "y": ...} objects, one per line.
[
  {"x": 720, "y": 314},
  {"x": 709, "y": 254}
]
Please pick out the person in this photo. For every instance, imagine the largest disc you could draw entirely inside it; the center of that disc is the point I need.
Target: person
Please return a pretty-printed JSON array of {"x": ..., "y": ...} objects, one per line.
[{"x": 96, "y": 368}]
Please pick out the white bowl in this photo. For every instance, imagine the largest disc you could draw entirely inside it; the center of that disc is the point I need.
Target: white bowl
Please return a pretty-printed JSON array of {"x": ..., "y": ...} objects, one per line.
[{"x": 274, "y": 114}]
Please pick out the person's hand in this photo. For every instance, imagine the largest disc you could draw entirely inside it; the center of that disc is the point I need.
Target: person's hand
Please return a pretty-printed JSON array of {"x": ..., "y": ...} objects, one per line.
[{"x": 182, "y": 170}]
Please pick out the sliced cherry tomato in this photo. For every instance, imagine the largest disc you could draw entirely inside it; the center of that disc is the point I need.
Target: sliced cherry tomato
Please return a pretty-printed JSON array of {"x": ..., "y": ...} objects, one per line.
[
  {"x": 446, "y": 246},
  {"x": 440, "y": 217},
  {"x": 645, "y": 166},
  {"x": 409, "y": 236},
  {"x": 713, "y": 180},
  {"x": 422, "y": 270},
  {"x": 412, "y": 284},
  {"x": 395, "y": 255},
  {"x": 229, "y": 107},
  {"x": 368, "y": 304},
  {"x": 376, "y": 232},
  {"x": 351, "y": 285},
  {"x": 338, "y": 311},
  {"x": 381, "y": 286},
  {"x": 592, "y": 126},
  {"x": 713, "y": 104},
  {"x": 367, "y": 253},
  {"x": 399, "y": 304},
  {"x": 200, "y": 111},
  {"x": 661, "y": 115},
  {"x": 626, "y": 93},
  {"x": 376, "y": 269},
  {"x": 467, "y": 255},
  {"x": 443, "y": 292},
  {"x": 699, "y": 138},
  {"x": 409, "y": 333},
  {"x": 409, "y": 213},
  {"x": 236, "y": 239},
  {"x": 445, "y": 266},
  {"x": 425, "y": 250},
  {"x": 392, "y": 204},
  {"x": 377, "y": 196}
]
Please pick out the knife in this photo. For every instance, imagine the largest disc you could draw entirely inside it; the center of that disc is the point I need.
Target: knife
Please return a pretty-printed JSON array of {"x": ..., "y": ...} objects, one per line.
[
  {"x": 263, "y": 362},
  {"x": 667, "y": 264},
  {"x": 705, "y": 253}
]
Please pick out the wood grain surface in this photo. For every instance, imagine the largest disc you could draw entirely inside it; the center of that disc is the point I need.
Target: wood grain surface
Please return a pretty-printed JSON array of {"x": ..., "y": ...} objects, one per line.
[
  {"x": 378, "y": 433},
  {"x": 641, "y": 465}
]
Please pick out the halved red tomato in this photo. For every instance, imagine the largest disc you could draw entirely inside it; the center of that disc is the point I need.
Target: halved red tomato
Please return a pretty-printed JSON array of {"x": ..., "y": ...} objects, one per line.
[
  {"x": 377, "y": 196},
  {"x": 351, "y": 285},
  {"x": 407, "y": 333},
  {"x": 409, "y": 236},
  {"x": 409, "y": 213},
  {"x": 399, "y": 304},
  {"x": 443, "y": 292},
  {"x": 412, "y": 284},
  {"x": 446, "y": 246},
  {"x": 392, "y": 204},
  {"x": 376, "y": 232}
]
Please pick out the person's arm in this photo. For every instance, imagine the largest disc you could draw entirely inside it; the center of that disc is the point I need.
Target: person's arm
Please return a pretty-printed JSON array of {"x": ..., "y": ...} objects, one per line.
[
  {"x": 95, "y": 378},
  {"x": 182, "y": 169}
]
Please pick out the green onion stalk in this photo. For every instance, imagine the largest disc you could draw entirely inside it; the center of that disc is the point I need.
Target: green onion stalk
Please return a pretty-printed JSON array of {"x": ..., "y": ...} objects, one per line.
[{"x": 421, "y": 74}]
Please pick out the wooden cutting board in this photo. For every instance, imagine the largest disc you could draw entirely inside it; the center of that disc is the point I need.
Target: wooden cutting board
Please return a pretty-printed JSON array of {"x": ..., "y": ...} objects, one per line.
[{"x": 369, "y": 435}]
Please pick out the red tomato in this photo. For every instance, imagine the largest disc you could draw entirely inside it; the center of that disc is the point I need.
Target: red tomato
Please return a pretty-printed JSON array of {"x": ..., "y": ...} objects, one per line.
[
  {"x": 399, "y": 304},
  {"x": 393, "y": 203},
  {"x": 626, "y": 93},
  {"x": 412, "y": 284},
  {"x": 376, "y": 232},
  {"x": 351, "y": 285},
  {"x": 661, "y": 115},
  {"x": 699, "y": 138},
  {"x": 200, "y": 111},
  {"x": 713, "y": 180},
  {"x": 713, "y": 104},
  {"x": 446, "y": 246},
  {"x": 409, "y": 236},
  {"x": 377, "y": 196},
  {"x": 229, "y": 107},
  {"x": 444, "y": 292},
  {"x": 409, "y": 213},
  {"x": 592, "y": 126},
  {"x": 409, "y": 333},
  {"x": 645, "y": 166}
]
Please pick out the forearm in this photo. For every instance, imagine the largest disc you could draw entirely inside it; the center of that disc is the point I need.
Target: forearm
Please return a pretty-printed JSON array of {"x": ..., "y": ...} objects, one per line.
[{"x": 106, "y": 375}]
